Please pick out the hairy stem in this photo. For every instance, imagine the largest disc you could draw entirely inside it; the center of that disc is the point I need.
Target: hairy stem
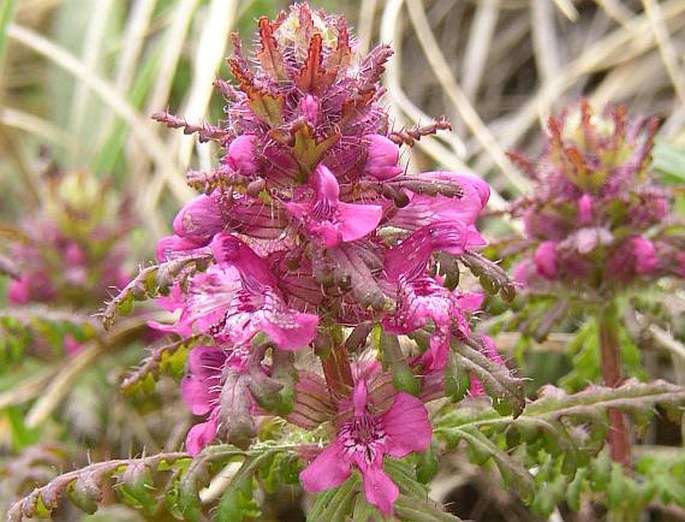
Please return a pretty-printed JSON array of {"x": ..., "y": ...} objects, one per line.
[{"x": 610, "y": 359}]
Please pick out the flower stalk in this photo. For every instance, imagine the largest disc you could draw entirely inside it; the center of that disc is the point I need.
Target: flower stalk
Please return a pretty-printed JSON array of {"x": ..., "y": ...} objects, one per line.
[{"x": 610, "y": 360}]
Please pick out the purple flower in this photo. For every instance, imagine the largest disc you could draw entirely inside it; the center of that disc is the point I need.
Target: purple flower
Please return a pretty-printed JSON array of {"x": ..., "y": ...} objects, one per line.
[
  {"x": 364, "y": 440},
  {"x": 258, "y": 306},
  {"x": 382, "y": 156},
  {"x": 241, "y": 155},
  {"x": 200, "y": 219},
  {"x": 201, "y": 390},
  {"x": 424, "y": 210},
  {"x": 329, "y": 220},
  {"x": 545, "y": 259}
]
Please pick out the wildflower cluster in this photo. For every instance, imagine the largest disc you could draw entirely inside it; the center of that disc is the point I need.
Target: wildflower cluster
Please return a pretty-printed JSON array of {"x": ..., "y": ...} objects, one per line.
[
  {"x": 71, "y": 248},
  {"x": 597, "y": 221},
  {"x": 320, "y": 242},
  {"x": 70, "y": 252}
]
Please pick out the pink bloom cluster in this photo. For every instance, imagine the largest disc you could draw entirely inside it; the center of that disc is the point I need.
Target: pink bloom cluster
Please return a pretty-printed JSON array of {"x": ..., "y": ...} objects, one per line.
[
  {"x": 315, "y": 231},
  {"x": 597, "y": 220},
  {"x": 69, "y": 252}
]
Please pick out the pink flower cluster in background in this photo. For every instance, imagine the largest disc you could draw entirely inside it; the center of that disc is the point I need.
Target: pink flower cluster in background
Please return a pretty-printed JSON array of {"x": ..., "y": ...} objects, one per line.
[{"x": 597, "y": 220}]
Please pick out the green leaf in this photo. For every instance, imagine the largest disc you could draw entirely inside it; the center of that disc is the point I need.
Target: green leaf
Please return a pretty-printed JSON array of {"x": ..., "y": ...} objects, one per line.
[
  {"x": 154, "y": 281},
  {"x": 168, "y": 359},
  {"x": 411, "y": 509},
  {"x": 506, "y": 391},
  {"x": 238, "y": 501},
  {"x": 336, "y": 504}
]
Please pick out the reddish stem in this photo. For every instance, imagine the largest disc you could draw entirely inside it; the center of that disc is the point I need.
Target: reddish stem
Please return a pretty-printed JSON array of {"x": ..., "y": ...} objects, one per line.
[
  {"x": 610, "y": 359},
  {"x": 336, "y": 367}
]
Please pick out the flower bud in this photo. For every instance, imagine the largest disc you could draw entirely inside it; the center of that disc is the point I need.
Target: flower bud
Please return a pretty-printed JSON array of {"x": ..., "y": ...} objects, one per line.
[
  {"x": 200, "y": 219},
  {"x": 382, "y": 157},
  {"x": 310, "y": 108},
  {"x": 241, "y": 155},
  {"x": 585, "y": 205},
  {"x": 545, "y": 259}
]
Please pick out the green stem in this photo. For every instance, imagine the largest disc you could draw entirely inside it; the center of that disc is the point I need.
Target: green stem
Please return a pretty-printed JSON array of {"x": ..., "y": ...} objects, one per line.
[{"x": 610, "y": 359}]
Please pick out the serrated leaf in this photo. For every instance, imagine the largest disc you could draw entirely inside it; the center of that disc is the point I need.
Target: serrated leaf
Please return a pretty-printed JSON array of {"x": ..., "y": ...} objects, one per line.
[
  {"x": 154, "y": 281},
  {"x": 506, "y": 391},
  {"x": 169, "y": 359}
]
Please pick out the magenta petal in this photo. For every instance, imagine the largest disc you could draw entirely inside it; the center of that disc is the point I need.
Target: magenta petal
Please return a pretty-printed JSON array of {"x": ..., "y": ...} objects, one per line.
[
  {"x": 360, "y": 398},
  {"x": 200, "y": 218},
  {"x": 200, "y": 388},
  {"x": 646, "y": 260},
  {"x": 200, "y": 435},
  {"x": 230, "y": 250},
  {"x": 424, "y": 210},
  {"x": 382, "y": 157},
  {"x": 290, "y": 330},
  {"x": 358, "y": 220},
  {"x": 379, "y": 489},
  {"x": 407, "y": 426},
  {"x": 471, "y": 301},
  {"x": 325, "y": 185},
  {"x": 241, "y": 155},
  {"x": 19, "y": 292},
  {"x": 328, "y": 470},
  {"x": 585, "y": 205},
  {"x": 545, "y": 259},
  {"x": 170, "y": 244}
]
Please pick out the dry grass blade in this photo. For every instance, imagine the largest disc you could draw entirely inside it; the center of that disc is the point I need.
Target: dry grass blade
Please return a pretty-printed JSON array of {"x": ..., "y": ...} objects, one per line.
[
  {"x": 133, "y": 39},
  {"x": 634, "y": 38},
  {"x": 91, "y": 59},
  {"x": 441, "y": 69},
  {"x": 478, "y": 46},
  {"x": 209, "y": 54},
  {"x": 545, "y": 39},
  {"x": 568, "y": 9},
  {"x": 7, "y": 11},
  {"x": 390, "y": 32},
  {"x": 175, "y": 39},
  {"x": 667, "y": 49},
  {"x": 367, "y": 15},
  {"x": 43, "y": 129},
  {"x": 140, "y": 126}
]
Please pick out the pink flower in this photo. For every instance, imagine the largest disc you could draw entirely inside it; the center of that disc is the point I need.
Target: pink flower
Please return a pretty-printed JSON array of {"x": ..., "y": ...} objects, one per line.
[
  {"x": 585, "y": 207},
  {"x": 635, "y": 256},
  {"x": 424, "y": 210},
  {"x": 310, "y": 108},
  {"x": 364, "y": 440},
  {"x": 329, "y": 220},
  {"x": 545, "y": 259},
  {"x": 421, "y": 301},
  {"x": 382, "y": 157},
  {"x": 200, "y": 218},
  {"x": 258, "y": 306},
  {"x": 202, "y": 389},
  {"x": 241, "y": 155}
]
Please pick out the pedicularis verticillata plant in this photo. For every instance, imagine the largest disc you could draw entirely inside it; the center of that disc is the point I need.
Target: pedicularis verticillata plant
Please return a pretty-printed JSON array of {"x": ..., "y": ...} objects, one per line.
[
  {"x": 597, "y": 226},
  {"x": 318, "y": 242},
  {"x": 325, "y": 338},
  {"x": 67, "y": 254}
]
